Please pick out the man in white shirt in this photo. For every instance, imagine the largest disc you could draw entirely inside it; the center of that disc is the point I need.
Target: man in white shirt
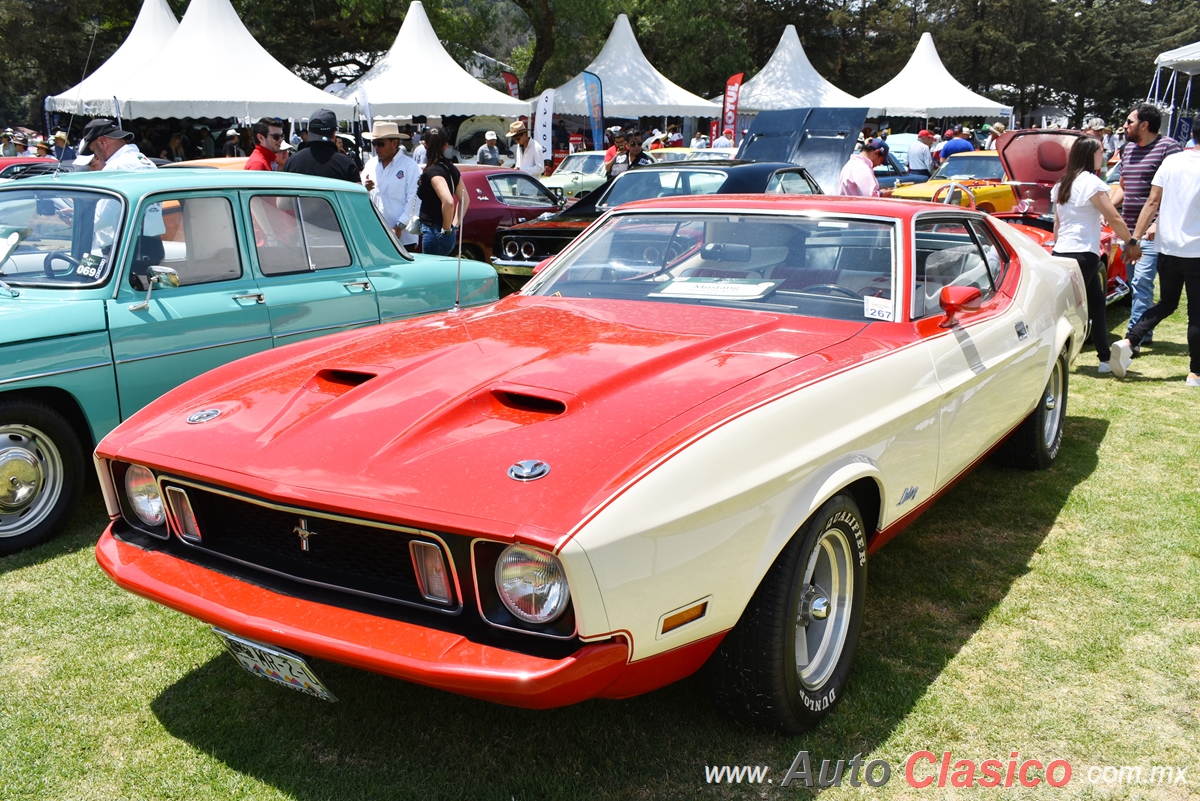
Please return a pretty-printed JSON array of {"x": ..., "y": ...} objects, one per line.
[
  {"x": 105, "y": 139},
  {"x": 1175, "y": 197},
  {"x": 528, "y": 152},
  {"x": 391, "y": 178},
  {"x": 920, "y": 160},
  {"x": 725, "y": 140},
  {"x": 857, "y": 178}
]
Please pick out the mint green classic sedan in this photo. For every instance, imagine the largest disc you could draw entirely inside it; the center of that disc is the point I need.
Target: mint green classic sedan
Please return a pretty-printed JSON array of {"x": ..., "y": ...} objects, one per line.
[{"x": 116, "y": 287}]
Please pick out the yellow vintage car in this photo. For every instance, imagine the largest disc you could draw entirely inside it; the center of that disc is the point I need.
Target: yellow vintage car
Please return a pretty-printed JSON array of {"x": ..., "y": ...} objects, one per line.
[{"x": 976, "y": 180}]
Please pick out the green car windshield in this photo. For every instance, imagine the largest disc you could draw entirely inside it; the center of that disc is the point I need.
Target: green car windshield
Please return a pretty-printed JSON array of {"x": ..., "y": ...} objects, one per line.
[
  {"x": 582, "y": 163},
  {"x": 837, "y": 268},
  {"x": 56, "y": 237}
]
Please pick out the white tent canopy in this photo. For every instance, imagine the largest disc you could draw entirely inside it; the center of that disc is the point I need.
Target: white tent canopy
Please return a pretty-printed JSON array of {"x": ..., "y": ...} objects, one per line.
[
  {"x": 418, "y": 76},
  {"x": 925, "y": 88},
  {"x": 631, "y": 86},
  {"x": 192, "y": 79},
  {"x": 1184, "y": 59},
  {"x": 789, "y": 81},
  {"x": 93, "y": 97}
]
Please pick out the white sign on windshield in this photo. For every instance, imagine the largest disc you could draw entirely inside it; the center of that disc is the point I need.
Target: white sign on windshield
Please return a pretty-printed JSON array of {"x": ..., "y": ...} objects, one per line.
[{"x": 727, "y": 288}]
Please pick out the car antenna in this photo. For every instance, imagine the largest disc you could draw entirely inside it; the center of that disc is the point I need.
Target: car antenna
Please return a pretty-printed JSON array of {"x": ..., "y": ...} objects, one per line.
[
  {"x": 79, "y": 95},
  {"x": 458, "y": 276}
]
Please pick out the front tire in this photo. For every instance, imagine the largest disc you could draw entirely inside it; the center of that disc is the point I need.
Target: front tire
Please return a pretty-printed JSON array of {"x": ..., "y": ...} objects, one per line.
[
  {"x": 786, "y": 663},
  {"x": 41, "y": 473},
  {"x": 1036, "y": 443}
]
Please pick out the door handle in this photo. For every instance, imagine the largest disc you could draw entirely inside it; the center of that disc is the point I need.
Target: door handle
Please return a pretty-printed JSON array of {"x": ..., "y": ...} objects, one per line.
[
  {"x": 257, "y": 296},
  {"x": 365, "y": 285}
]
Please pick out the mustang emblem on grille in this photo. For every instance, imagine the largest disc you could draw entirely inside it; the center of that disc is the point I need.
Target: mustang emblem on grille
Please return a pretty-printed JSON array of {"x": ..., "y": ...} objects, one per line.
[{"x": 302, "y": 531}]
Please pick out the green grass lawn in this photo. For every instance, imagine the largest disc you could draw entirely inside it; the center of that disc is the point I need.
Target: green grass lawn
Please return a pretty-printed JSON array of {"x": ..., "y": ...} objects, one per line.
[{"x": 1056, "y": 614}]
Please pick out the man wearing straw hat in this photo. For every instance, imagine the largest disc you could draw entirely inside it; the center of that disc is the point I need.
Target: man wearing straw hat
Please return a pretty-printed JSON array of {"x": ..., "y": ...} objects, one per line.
[
  {"x": 528, "y": 152},
  {"x": 391, "y": 178}
]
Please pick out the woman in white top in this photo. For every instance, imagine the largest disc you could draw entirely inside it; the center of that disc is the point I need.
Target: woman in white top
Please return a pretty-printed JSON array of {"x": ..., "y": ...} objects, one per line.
[{"x": 1081, "y": 203}]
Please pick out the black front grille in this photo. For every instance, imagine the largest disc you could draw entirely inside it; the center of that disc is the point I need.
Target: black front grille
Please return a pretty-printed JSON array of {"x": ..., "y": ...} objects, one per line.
[{"x": 341, "y": 554}]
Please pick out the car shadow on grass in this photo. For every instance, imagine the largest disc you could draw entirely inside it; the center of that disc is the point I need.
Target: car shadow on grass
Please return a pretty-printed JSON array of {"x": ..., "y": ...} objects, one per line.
[
  {"x": 83, "y": 530},
  {"x": 930, "y": 591}
]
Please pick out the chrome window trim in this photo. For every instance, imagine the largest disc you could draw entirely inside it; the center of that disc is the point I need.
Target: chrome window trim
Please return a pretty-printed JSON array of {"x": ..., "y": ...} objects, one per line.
[
  {"x": 51, "y": 373},
  {"x": 320, "y": 515},
  {"x": 479, "y": 600},
  {"x": 951, "y": 214},
  {"x": 335, "y": 327}
]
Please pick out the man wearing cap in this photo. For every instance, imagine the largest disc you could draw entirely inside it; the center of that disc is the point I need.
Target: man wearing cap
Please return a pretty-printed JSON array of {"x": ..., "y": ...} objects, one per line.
[
  {"x": 488, "y": 153},
  {"x": 528, "y": 152},
  {"x": 103, "y": 138},
  {"x": 857, "y": 178},
  {"x": 232, "y": 149},
  {"x": 268, "y": 136},
  {"x": 60, "y": 149},
  {"x": 318, "y": 155},
  {"x": 725, "y": 140},
  {"x": 920, "y": 160},
  {"x": 391, "y": 177},
  {"x": 961, "y": 143}
]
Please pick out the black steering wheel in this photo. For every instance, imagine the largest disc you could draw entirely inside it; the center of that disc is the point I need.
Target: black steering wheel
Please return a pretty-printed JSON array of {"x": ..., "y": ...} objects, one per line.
[
  {"x": 832, "y": 289},
  {"x": 48, "y": 266}
]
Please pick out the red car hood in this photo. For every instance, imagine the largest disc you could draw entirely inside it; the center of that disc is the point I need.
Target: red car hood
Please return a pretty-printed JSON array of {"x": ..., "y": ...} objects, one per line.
[
  {"x": 1035, "y": 156},
  {"x": 420, "y": 421}
]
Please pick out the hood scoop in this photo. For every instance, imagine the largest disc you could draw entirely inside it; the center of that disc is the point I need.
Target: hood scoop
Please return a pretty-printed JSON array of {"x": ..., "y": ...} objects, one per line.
[
  {"x": 523, "y": 405},
  {"x": 337, "y": 382}
]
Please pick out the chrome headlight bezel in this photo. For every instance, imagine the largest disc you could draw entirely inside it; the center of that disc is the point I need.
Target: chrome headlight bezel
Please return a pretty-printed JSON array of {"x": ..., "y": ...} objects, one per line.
[
  {"x": 143, "y": 496},
  {"x": 532, "y": 584}
]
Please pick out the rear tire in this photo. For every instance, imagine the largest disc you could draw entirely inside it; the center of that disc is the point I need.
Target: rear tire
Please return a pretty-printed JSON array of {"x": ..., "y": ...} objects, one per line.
[
  {"x": 786, "y": 663},
  {"x": 41, "y": 473},
  {"x": 1036, "y": 443}
]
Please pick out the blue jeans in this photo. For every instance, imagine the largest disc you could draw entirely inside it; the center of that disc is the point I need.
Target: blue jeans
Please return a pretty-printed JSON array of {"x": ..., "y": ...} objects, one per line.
[
  {"x": 435, "y": 243},
  {"x": 1142, "y": 284}
]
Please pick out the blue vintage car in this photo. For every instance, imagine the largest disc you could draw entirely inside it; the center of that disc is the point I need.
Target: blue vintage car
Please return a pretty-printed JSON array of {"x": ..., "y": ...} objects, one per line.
[{"x": 116, "y": 287}]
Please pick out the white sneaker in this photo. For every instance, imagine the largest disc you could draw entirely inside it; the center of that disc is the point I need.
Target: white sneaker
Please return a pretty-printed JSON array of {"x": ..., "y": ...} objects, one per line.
[
  {"x": 1122, "y": 357},
  {"x": 1193, "y": 380},
  {"x": 1104, "y": 369}
]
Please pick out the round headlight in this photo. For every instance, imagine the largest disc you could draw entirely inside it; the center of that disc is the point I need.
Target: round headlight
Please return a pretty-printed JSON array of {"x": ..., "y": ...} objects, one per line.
[
  {"x": 142, "y": 491},
  {"x": 532, "y": 584},
  {"x": 511, "y": 248}
]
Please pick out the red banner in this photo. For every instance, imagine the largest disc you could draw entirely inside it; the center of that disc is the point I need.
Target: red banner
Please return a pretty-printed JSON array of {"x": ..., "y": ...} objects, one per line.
[
  {"x": 733, "y": 88},
  {"x": 714, "y": 130},
  {"x": 510, "y": 82}
]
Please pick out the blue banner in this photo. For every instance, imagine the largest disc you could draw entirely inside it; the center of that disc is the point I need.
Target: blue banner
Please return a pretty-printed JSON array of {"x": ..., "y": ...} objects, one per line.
[{"x": 595, "y": 100}]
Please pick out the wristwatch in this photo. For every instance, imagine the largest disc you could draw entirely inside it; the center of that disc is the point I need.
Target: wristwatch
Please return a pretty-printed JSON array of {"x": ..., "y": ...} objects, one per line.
[{"x": 1132, "y": 243}]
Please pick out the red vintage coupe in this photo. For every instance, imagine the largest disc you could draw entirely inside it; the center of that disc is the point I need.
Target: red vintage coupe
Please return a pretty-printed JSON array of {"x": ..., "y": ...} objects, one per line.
[{"x": 678, "y": 445}]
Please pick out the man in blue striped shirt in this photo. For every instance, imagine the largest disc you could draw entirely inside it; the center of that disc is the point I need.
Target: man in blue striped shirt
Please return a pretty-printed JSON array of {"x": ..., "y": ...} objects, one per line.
[{"x": 1141, "y": 157}]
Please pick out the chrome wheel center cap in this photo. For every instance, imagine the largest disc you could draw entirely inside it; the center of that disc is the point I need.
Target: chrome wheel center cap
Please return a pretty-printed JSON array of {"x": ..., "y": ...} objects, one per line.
[
  {"x": 20, "y": 478},
  {"x": 814, "y": 606}
]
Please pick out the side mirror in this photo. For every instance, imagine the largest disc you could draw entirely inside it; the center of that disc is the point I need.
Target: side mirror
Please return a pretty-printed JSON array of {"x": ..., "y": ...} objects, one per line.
[
  {"x": 541, "y": 265},
  {"x": 163, "y": 276},
  {"x": 957, "y": 299}
]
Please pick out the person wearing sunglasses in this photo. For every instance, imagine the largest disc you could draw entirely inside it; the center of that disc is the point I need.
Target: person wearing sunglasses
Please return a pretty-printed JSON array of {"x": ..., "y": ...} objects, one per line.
[
  {"x": 268, "y": 136},
  {"x": 529, "y": 154}
]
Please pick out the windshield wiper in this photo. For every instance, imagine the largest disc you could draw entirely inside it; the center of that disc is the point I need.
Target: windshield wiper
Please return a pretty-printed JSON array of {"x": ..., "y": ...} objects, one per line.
[{"x": 12, "y": 293}]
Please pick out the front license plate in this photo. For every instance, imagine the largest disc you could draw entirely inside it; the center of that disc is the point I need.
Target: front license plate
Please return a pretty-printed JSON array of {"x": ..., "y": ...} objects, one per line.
[{"x": 275, "y": 664}]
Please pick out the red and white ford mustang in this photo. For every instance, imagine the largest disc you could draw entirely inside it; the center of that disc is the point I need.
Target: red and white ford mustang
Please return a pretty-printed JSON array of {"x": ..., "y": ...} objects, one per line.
[{"x": 677, "y": 446}]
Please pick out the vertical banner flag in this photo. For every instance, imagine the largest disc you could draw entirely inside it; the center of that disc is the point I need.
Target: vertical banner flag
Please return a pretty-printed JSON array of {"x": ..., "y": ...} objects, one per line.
[
  {"x": 594, "y": 90},
  {"x": 714, "y": 130},
  {"x": 545, "y": 117},
  {"x": 510, "y": 83},
  {"x": 733, "y": 88}
]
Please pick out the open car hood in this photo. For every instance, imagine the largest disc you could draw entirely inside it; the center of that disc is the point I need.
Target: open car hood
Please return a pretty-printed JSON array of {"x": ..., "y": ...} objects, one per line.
[
  {"x": 819, "y": 139},
  {"x": 429, "y": 415},
  {"x": 1035, "y": 156}
]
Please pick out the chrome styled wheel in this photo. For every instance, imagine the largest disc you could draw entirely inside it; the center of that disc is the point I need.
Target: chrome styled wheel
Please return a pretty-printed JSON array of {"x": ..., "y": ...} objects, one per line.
[
  {"x": 823, "y": 619},
  {"x": 41, "y": 473},
  {"x": 1053, "y": 407}
]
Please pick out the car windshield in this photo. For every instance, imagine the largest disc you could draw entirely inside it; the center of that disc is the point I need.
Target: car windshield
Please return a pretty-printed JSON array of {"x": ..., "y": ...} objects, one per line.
[
  {"x": 961, "y": 168},
  {"x": 644, "y": 184},
  {"x": 582, "y": 163},
  {"x": 837, "y": 268},
  {"x": 57, "y": 237}
]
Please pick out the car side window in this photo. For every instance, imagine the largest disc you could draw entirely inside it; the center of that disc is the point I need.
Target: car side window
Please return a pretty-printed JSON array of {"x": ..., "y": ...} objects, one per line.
[
  {"x": 194, "y": 236},
  {"x": 947, "y": 254},
  {"x": 520, "y": 190},
  {"x": 789, "y": 182},
  {"x": 297, "y": 234}
]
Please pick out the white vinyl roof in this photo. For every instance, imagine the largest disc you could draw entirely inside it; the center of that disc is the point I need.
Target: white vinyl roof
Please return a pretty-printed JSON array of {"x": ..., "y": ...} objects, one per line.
[
  {"x": 1184, "y": 59},
  {"x": 93, "y": 97},
  {"x": 789, "y": 81},
  {"x": 185, "y": 79},
  {"x": 418, "y": 76},
  {"x": 925, "y": 88},
  {"x": 631, "y": 86}
]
